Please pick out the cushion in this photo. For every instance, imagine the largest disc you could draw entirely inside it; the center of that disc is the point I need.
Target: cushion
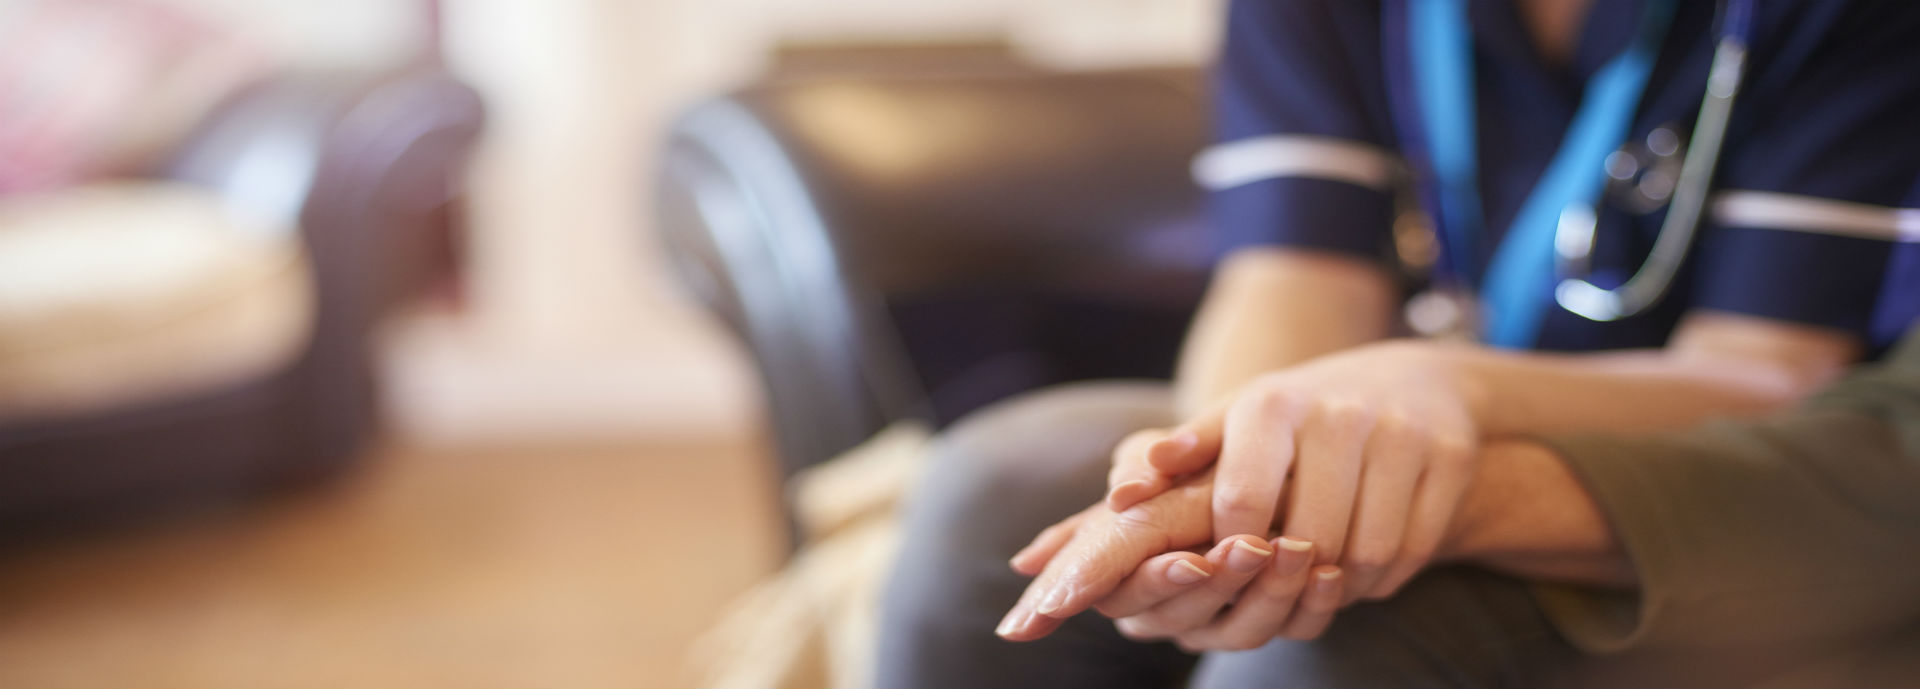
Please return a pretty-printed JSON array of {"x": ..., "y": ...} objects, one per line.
[{"x": 123, "y": 293}]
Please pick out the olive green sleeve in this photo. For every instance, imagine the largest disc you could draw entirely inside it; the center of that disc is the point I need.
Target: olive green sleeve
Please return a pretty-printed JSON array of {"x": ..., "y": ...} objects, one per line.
[{"x": 1801, "y": 528}]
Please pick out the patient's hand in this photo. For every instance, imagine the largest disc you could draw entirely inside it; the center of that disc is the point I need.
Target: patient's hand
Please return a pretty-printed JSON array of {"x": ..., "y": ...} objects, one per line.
[{"x": 1134, "y": 566}]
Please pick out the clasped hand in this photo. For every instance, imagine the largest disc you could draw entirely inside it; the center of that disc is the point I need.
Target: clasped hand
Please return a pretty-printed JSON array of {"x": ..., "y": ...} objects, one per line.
[{"x": 1314, "y": 486}]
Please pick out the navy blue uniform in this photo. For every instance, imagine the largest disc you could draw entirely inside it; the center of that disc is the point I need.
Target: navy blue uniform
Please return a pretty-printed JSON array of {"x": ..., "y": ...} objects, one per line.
[{"x": 1316, "y": 118}]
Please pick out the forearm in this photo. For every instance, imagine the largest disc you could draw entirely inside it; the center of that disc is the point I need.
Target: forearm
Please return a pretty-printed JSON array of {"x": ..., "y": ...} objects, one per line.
[
  {"x": 1527, "y": 515},
  {"x": 1797, "y": 527},
  {"x": 1526, "y": 393},
  {"x": 1272, "y": 308},
  {"x": 1716, "y": 365}
]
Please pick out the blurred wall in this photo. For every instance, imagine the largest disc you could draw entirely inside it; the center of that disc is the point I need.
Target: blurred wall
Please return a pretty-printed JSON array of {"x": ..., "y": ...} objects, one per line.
[
  {"x": 347, "y": 34},
  {"x": 573, "y": 325},
  {"x": 580, "y": 89}
]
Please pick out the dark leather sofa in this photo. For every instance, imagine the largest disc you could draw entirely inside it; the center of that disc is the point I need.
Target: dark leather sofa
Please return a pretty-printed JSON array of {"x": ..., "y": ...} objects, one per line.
[
  {"x": 897, "y": 236},
  {"x": 381, "y": 155}
]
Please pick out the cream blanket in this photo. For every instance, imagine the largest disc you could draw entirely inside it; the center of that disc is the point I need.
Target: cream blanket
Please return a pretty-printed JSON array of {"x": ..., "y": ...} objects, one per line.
[{"x": 813, "y": 624}]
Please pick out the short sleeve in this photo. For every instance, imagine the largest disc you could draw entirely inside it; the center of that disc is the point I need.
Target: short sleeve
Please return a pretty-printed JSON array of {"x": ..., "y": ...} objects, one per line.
[
  {"x": 1303, "y": 156},
  {"x": 1821, "y": 155}
]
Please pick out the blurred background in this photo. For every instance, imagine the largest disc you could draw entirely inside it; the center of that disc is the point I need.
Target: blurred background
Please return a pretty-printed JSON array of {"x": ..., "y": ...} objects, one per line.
[{"x": 479, "y": 342}]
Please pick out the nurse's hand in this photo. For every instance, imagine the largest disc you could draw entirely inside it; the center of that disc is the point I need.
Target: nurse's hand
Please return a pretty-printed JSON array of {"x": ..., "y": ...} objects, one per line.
[{"x": 1364, "y": 454}]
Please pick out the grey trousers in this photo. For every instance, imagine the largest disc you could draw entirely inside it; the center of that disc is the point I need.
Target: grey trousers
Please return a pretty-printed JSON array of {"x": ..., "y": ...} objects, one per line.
[{"x": 1002, "y": 475}]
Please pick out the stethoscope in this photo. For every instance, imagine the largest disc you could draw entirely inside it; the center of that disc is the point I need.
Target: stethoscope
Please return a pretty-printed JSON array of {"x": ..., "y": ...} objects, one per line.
[{"x": 1548, "y": 250}]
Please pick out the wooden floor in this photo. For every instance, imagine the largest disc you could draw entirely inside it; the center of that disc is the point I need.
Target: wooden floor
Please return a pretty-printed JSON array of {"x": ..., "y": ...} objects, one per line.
[{"x": 522, "y": 568}]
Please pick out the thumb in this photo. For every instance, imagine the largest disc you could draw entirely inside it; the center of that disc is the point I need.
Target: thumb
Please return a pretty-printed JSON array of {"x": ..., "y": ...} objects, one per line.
[{"x": 1192, "y": 446}]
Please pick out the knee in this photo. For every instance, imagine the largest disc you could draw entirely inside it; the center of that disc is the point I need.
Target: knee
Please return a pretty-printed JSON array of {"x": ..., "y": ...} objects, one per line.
[
  {"x": 1031, "y": 444},
  {"x": 995, "y": 480}
]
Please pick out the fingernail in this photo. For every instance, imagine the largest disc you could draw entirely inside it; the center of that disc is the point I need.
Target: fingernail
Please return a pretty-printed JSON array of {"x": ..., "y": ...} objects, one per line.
[
  {"x": 1134, "y": 485},
  {"x": 1247, "y": 557},
  {"x": 1014, "y": 562},
  {"x": 1293, "y": 556},
  {"x": 1009, "y": 624},
  {"x": 1183, "y": 572},
  {"x": 1055, "y": 600},
  {"x": 1326, "y": 578}
]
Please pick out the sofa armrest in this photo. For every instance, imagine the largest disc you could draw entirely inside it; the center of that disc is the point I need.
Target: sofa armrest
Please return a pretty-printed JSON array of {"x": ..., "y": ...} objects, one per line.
[
  {"x": 363, "y": 165},
  {"x": 360, "y": 165},
  {"x": 337, "y": 154},
  {"x": 897, "y": 244}
]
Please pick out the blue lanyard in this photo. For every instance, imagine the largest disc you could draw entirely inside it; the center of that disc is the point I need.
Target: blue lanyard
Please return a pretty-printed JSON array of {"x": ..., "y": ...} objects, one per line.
[{"x": 1517, "y": 288}]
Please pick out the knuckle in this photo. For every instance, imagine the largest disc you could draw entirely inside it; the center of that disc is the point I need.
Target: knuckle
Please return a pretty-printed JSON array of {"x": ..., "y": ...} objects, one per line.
[
  {"x": 1451, "y": 449},
  {"x": 1347, "y": 415},
  {"x": 1396, "y": 424},
  {"x": 1267, "y": 398},
  {"x": 1397, "y": 439},
  {"x": 1241, "y": 501}
]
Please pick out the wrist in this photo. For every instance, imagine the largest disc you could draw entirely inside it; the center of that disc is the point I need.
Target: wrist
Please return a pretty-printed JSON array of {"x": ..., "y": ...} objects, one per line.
[
  {"x": 1466, "y": 531},
  {"x": 1488, "y": 502},
  {"x": 1466, "y": 371},
  {"x": 1527, "y": 514}
]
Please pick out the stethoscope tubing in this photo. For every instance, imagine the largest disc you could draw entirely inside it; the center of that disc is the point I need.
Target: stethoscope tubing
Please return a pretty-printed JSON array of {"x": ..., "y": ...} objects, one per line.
[{"x": 1655, "y": 277}]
